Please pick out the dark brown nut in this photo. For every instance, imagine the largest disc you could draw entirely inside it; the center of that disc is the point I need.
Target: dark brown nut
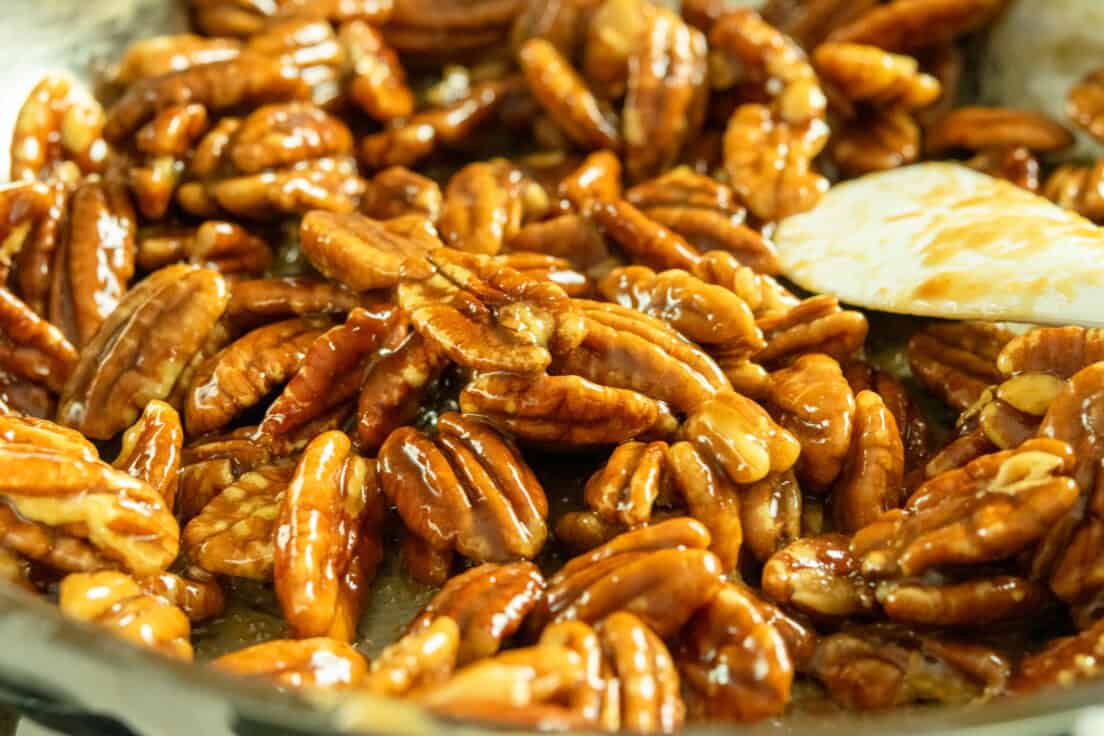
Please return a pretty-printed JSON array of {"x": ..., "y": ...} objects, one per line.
[
  {"x": 467, "y": 488},
  {"x": 625, "y": 489},
  {"x": 279, "y": 135},
  {"x": 867, "y": 74},
  {"x": 398, "y": 191},
  {"x": 159, "y": 55},
  {"x": 83, "y": 503},
  {"x": 298, "y": 664},
  {"x": 31, "y": 348},
  {"x": 815, "y": 325},
  {"x": 627, "y": 349},
  {"x": 562, "y": 24},
  {"x": 1062, "y": 662},
  {"x": 992, "y": 508},
  {"x": 234, "y": 534},
  {"x": 224, "y": 246},
  {"x": 152, "y": 449},
  {"x": 734, "y": 660},
  {"x": 959, "y": 452},
  {"x": 563, "y": 94},
  {"x": 23, "y": 206},
  {"x": 978, "y": 128},
  {"x": 661, "y": 573},
  {"x": 957, "y": 360},
  {"x": 704, "y": 313},
  {"x": 770, "y": 514},
  {"x": 318, "y": 530},
  {"x": 23, "y": 430},
  {"x": 95, "y": 260},
  {"x": 172, "y": 132},
  {"x": 761, "y": 292},
  {"x": 972, "y": 603},
  {"x": 378, "y": 86},
  {"x": 643, "y": 240},
  {"x": 770, "y": 162},
  {"x": 911, "y": 25},
  {"x": 482, "y": 207},
  {"x": 257, "y": 301},
  {"x": 1085, "y": 104},
  {"x": 243, "y": 373},
  {"x": 667, "y": 91},
  {"x": 489, "y": 318},
  {"x": 597, "y": 178},
  {"x": 541, "y": 267},
  {"x": 488, "y": 604},
  {"x": 880, "y": 666},
  {"x": 58, "y": 133},
  {"x": 115, "y": 601},
  {"x": 198, "y": 595},
  {"x": 1077, "y": 188},
  {"x": 1062, "y": 351},
  {"x": 1075, "y": 417},
  {"x": 1016, "y": 164},
  {"x": 247, "y": 79},
  {"x": 711, "y": 498},
  {"x": 332, "y": 370},
  {"x": 708, "y": 230},
  {"x": 420, "y": 659},
  {"x": 876, "y": 141},
  {"x": 134, "y": 357},
  {"x": 872, "y": 478},
  {"x": 581, "y": 531},
  {"x": 423, "y": 563},
  {"x": 563, "y": 411},
  {"x": 816, "y": 405},
  {"x": 819, "y": 577}
]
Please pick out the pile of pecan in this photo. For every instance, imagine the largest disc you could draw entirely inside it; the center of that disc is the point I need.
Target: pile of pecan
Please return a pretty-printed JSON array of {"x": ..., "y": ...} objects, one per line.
[{"x": 325, "y": 277}]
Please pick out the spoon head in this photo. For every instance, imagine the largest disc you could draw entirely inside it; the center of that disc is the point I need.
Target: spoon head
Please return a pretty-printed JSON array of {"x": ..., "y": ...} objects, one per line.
[{"x": 942, "y": 240}]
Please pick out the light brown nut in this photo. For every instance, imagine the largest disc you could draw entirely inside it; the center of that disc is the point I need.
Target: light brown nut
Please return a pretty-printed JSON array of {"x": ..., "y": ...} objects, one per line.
[
  {"x": 234, "y": 533},
  {"x": 95, "y": 260},
  {"x": 563, "y": 94},
  {"x": 482, "y": 207},
  {"x": 816, "y": 405},
  {"x": 597, "y": 698},
  {"x": 135, "y": 357},
  {"x": 881, "y": 666},
  {"x": 643, "y": 240},
  {"x": 421, "y": 658},
  {"x": 31, "y": 348},
  {"x": 704, "y": 313},
  {"x": 319, "y": 527},
  {"x": 173, "y": 131},
  {"x": 115, "y": 601},
  {"x": 209, "y": 156},
  {"x": 667, "y": 91},
  {"x": 1062, "y": 351},
  {"x": 278, "y": 135},
  {"x": 332, "y": 371},
  {"x": 711, "y": 498},
  {"x": 198, "y": 594},
  {"x": 1062, "y": 662},
  {"x": 812, "y": 20},
  {"x": 562, "y": 410},
  {"x": 152, "y": 448},
  {"x": 486, "y": 317},
  {"x": 488, "y": 604},
  {"x": 978, "y": 128},
  {"x": 247, "y": 79},
  {"x": 571, "y": 237},
  {"x": 398, "y": 191},
  {"x": 642, "y": 682},
  {"x": 597, "y": 178},
  {"x": 27, "y": 541},
  {"x": 378, "y": 86},
  {"x": 467, "y": 488},
  {"x": 876, "y": 141},
  {"x": 916, "y": 434},
  {"x": 819, "y": 577},
  {"x": 58, "y": 133},
  {"x": 33, "y": 264},
  {"x": 298, "y": 664},
  {"x": 152, "y": 57},
  {"x": 1016, "y": 164},
  {"x": 627, "y": 349},
  {"x": 1077, "y": 188},
  {"x": 872, "y": 478},
  {"x": 661, "y": 573},
  {"x": 708, "y": 230},
  {"x": 104, "y": 510},
  {"x": 1075, "y": 416},
  {"x": 867, "y": 74},
  {"x": 815, "y": 325},
  {"x": 243, "y": 373},
  {"x": 770, "y": 514},
  {"x": 973, "y": 603},
  {"x": 994, "y": 507},
  {"x": 770, "y": 162},
  {"x": 910, "y": 25},
  {"x": 734, "y": 660},
  {"x": 627, "y": 486},
  {"x": 957, "y": 360},
  {"x": 542, "y": 267},
  {"x": 681, "y": 187},
  {"x": 224, "y": 246},
  {"x": 21, "y": 430},
  {"x": 254, "y": 302},
  {"x": 311, "y": 47},
  {"x": 761, "y": 292}
]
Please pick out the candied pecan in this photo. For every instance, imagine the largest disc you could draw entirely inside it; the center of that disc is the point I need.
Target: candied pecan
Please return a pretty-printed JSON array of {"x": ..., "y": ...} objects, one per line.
[
  {"x": 761, "y": 292},
  {"x": 681, "y": 187},
  {"x": 880, "y": 666},
  {"x": 665, "y": 101},
  {"x": 598, "y": 178},
  {"x": 1077, "y": 188},
  {"x": 709, "y": 230},
  {"x": 661, "y": 573},
  {"x": 392, "y": 386},
  {"x": 561, "y": 23},
  {"x": 820, "y": 577},
  {"x": 254, "y": 302},
  {"x": 423, "y": 563},
  {"x": 1016, "y": 164},
  {"x": 909, "y": 25},
  {"x": 625, "y": 489},
  {"x": 816, "y": 405},
  {"x": 421, "y": 658},
  {"x": 871, "y": 480},
  {"x": 398, "y": 191},
  {"x": 234, "y": 533},
  {"x": 711, "y": 497},
  {"x": 627, "y": 349},
  {"x": 198, "y": 594},
  {"x": 563, "y": 94},
  {"x": 870, "y": 75},
  {"x": 810, "y": 21},
  {"x": 378, "y": 86},
  {"x": 482, "y": 207},
  {"x": 165, "y": 141},
  {"x": 33, "y": 264},
  {"x": 541, "y": 267},
  {"x": 1075, "y": 417},
  {"x": 309, "y": 45},
  {"x": 115, "y": 601},
  {"x": 365, "y": 254},
  {"x": 1085, "y": 104},
  {"x": 224, "y": 246},
  {"x": 241, "y": 374},
  {"x": 488, "y": 604},
  {"x": 58, "y": 133},
  {"x": 1062, "y": 662},
  {"x": 992, "y": 508},
  {"x": 876, "y": 141},
  {"x": 297, "y": 664},
  {"x": 467, "y": 488},
  {"x": 32, "y": 348},
  {"x": 613, "y": 33},
  {"x": 705, "y": 313},
  {"x": 151, "y": 449},
  {"x": 570, "y": 237},
  {"x": 134, "y": 358},
  {"x": 734, "y": 660},
  {"x": 44, "y": 433},
  {"x": 1062, "y": 351},
  {"x": 152, "y": 57},
  {"x": 277, "y": 135},
  {"x": 969, "y": 446},
  {"x": 972, "y": 603},
  {"x": 978, "y": 128},
  {"x": 584, "y": 530},
  {"x": 957, "y": 360},
  {"x": 916, "y": 435},
  {"x": 644, "y": 240},
  {"x": 770, "y": 514}
]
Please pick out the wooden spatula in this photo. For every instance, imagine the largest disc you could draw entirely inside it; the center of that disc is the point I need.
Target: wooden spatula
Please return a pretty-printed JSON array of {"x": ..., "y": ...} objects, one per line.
[{"x": 942, "y": 240}]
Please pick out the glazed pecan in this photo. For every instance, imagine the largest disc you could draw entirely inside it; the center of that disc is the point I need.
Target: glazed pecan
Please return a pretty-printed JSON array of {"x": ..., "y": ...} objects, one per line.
[
  {"x": 707, "y": 230},
  {"x": 1085, "y": 104},
  {"x": 467, "y": 488},
  {"x": 916, "y": 434},
  {"x": 972, "y": 603},
  {"x": 58, "y": 133},
  {"x": 31, "y": 257},
  {"x": 165, "y": 142},
  {"x": 197, "y": 594},
  {"x": 817, "y": 324},
  {"x": 423, "y": 563},
  {"x": 876, "y": 141},
  {"x": 870, "y": 75},
  {"x": 541, "y": 267},
  {"x": 872, "y": 476},
  {"x": 159, "y": 55},
  {"x": 245, "y": 18},
  {"x": 115, "y": 601},
  {"x": 957, "y": 360},
  {"x": 643, "y": 240},
  {"x": 23, "y": 430},
  {"x": 661, "y": 573},
  {"x": 571, "y": 237},
  {"x": 151, "y": 449},
  {"x": 398, "y": 191},
  {"x": 682, "y": 187},
  {"x": 643, "y": 683},
  {"x": 1062, "y": 662},
  {"x": 909, "y": 25},
  {"x": 597, "y": 178},
  {"x": 31, "y": 348},
  {"x": 223, "y": 246},
  {"x": 711, "y": 497},
  {"x": 378, "y": 86},
  {"x": 365, "y": 254},
  {"x": 809, "y": 21},
  {"x": 488, "y": 604},
  {"x": 308, "y": 45},
  {"x": 761, "y": 292},
  {"x": 483, "y": 207},
  {"x": 421, "y": 658},
  {"x": 278, "y": 135},
  {"x": 978, "y": 128},
  {"x": 298, "y": 664},
  {"x": 1062, "y": 351},
  {"x": 734, "y": 660},
  {"x": 1016, "y": 164},
  {"x": 771, "y": 514},
  {"x": 992, "y": 508},
  {"x": 1077, "y": 188},
  {"x": 134, "y": 357},
  {"x": 625, "y": 489},
  {"x": 819, "y": 576}
]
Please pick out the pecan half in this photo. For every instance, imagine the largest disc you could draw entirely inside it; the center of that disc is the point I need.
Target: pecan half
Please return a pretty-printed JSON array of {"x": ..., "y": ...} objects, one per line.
[
  {"x": 597, "y": 178},
  {"x": 711, "y": 497},
  {"x": 152, "y": 448},
  {"x": 972, "y": 603},
  {"x": 378, "y": 86},
  {"x": 978, "y": 128},
  {"x": 815, "y": 325},
  {"x": 278, "y": 135},
  {"x": 44, "y": 433},
  {"x": 198, "y": 595},
  {"x": 1062, "y": 351},
  {"x": 298, "y": 664},
  {"x": 482, "y": 207},
  {"x": 159, "y": 55},
  {"x": 870, "y": 75},
  {"x": 366, "y": 254},
  {"x": 1062, "y": 662},
  {"x": 644, "y": 240},
  {"x": 642, "y": 682},
  {"x": 421, "y": 658},
  {"x": 625, "y": 489},
  {"x": 872, "y": 476},
  {"x": 1018, "y": 165},
  {"x": 957, "y": 360},
  {"x": 876, "y": 141},
  {"x": 398, "y": 191},
  {"x": 770, "y": 514},
  {"x": 819, "y": 576},
  {"x": 908, "y": 25},
  {"x": 223, "y": 246},
  {"x": 31, "y": 348},
  {"x": 57, "y": 133}
]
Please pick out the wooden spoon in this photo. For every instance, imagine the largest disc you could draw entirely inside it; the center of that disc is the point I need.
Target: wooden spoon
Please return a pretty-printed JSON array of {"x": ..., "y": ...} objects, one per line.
[{"x": 942, "y": 240}]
